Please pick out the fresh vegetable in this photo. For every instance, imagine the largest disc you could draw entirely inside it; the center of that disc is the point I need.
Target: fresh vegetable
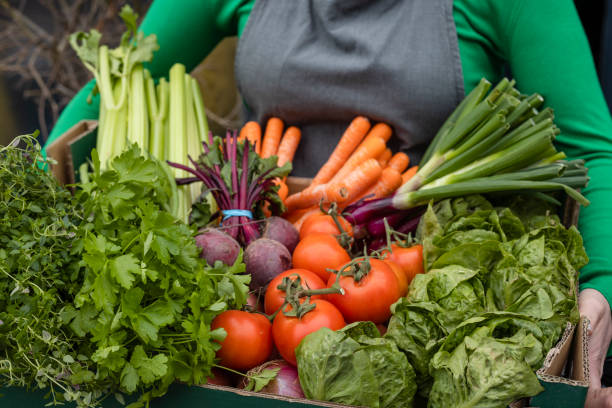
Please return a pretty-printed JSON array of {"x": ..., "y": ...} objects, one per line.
[
  {"x": 408, "y": 174},
  {"x": 120, "y": 82},
  {"x": 281, "y": 230},
  {"x": 369, "y": 286},
  {"x": 402, "y": 279},
  {"x": 409, "y": 259},
  {"x": 217, "y": 246},
  {"x": 355, "y": 366},
  {"x": 488, "y": 361},
  {"x": 389, "y": 181},
  {"x": 275, "y": 297},
  {"x": 238, "y": 179},
  {"x": 272, "y": 137},
  {"x": 251, "y": 131},
  {"x": 168, "y": 120},
  {"x": 512, "y": 267},
  {"x": 349, "y": 141},
  {"x": 143, "y": 280},
  {"x": 371, "y": 148},
  {"x": 288, "y": 145},
  {"x": 288, "y": 331},
  {"x": 384, "y": 158},
  {"x": 248, "y": 340},
  {"x": 381, "y": 130},
  {"x": 39, "y": 273},
  {"x": 399, "y": 162},
  {"x": 491, "y": 143},
  {"x": 324, "y": 224},
  {"x": 355, "y": 184},
  {"x": 286, "y": 381},
  {"x": 318, "y": 253},
  {"x": 265, "y": 259}
]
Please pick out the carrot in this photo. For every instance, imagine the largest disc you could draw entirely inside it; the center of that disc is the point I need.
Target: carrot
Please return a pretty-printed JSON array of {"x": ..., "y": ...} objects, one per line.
[
  {"x": 355, "y": 183},
  {"x": 353, "y": 135},
  {"x": 381, "y": 130},
  {"x": 371, "y": 147},
  {"x": 251, "y": 131},
  {"x": 389, "y": 181},
  {"x": 283, "y": 190},
  {"x": 272, "y": 137},
  {"x": 306, "y": 198},
  {"x": 384, "y": 157},
  {"x": 288, "y": 145},
  {"x": 399, "y": 162},
  {"x": 407, "y": 175}
]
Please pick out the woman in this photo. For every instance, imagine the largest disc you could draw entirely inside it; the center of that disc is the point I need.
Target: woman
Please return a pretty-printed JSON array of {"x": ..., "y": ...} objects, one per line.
[{"x": 318, "y": 63}]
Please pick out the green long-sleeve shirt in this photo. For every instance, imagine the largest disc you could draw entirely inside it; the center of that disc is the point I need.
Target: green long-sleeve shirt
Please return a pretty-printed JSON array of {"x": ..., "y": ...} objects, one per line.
[{"x": 542, "y": 41}]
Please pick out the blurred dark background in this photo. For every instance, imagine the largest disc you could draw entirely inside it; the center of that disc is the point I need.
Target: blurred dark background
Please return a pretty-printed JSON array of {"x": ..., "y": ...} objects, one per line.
[{"x": 39, "y": 73}]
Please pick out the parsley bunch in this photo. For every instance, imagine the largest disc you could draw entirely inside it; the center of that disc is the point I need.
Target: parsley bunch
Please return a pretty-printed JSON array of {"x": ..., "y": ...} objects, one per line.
[{"x": 147, "y": 298}]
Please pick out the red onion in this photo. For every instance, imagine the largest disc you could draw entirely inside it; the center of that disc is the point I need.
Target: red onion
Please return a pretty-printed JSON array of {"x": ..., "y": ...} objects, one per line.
[{"x": 286, "y": 382}]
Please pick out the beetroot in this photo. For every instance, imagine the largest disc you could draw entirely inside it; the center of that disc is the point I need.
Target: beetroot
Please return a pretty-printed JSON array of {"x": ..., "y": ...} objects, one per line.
[
  {"x": 281, "y": 230},
  {"x": 217, "y": 246},
  {"x": 264, "y": 259}
]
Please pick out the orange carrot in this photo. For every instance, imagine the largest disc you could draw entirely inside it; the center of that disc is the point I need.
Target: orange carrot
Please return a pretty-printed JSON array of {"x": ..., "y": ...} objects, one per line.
[
  {"x": 355, "y": 183},
  {"x": 272, "y": 137},
  {"x": 384, "y": 157},
  {"x": 306, "y": 198},
  {"x": 407, "y": 175},
  {"x": 353, "y": 135},
  {"x": 371, "y": 147},
  {"x": 381, "y": 130},
  {"x": 252, "y": 132},
  {"x": 288, "y": 145},
  {"x": 399, "y": 162},
  {"x": 283, "y": 191},
  {"x": 390, "y": 180}
]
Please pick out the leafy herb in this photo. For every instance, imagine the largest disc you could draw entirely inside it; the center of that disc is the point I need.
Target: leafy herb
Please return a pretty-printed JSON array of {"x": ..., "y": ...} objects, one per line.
[
  {"x": 39, "y": 273},
  {"x": 147, "y": 298}
]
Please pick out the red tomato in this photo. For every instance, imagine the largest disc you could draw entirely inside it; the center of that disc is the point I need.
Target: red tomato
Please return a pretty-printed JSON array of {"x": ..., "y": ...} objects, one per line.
[
  {"x": 370, "y": 298},
  {"x": 402, "y": 280},
  {"x": 324, "y": 224},
  {"x": 317, "y": 252},
  {"x": 409, "y": 259},
  {"x": 288, "y": 332},
  {"x": 248, "y": 342},
  {"x": 275, "y": 297}
]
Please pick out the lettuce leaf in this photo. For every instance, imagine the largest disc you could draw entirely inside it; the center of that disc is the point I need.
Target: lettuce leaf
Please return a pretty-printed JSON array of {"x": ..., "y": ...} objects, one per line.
[{"x": 355, "y": 366}]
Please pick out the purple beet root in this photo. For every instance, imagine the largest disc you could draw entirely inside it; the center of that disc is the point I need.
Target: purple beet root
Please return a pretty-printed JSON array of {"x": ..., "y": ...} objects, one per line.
[
  {"x": 217, "y": 246},
  {"x": 281, "y": 230},
  {"x": 264, "y": 259}
]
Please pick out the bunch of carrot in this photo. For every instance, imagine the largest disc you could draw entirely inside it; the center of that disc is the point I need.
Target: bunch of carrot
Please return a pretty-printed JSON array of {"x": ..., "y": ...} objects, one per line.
[
  {"x": 274, "y": 143},
  {"x": 361, "y": 166}
]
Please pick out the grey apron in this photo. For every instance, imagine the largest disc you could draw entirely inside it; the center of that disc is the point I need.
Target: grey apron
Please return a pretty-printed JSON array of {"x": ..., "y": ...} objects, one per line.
[{"x": 319, "y": 63}]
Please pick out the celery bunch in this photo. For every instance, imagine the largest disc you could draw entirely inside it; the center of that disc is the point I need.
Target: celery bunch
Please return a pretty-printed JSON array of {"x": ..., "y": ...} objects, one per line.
[{"x": 166, "y": 119}]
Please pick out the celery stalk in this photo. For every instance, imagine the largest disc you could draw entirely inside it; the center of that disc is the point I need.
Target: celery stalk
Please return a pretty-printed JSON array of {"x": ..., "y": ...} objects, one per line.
[
  {"x": 200, "y": 110},
  {"x": 194, "y": 146},
  {"x": 138, "y": 118},
  {"x": 158, "y": 110},
  {"x": 178, "y": 134}
]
